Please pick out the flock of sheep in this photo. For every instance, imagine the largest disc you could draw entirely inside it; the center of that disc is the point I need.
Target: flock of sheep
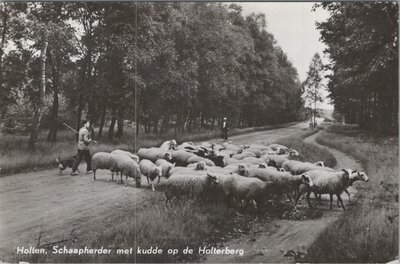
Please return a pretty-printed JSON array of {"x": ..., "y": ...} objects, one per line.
[{"x": 235, "y": 174}]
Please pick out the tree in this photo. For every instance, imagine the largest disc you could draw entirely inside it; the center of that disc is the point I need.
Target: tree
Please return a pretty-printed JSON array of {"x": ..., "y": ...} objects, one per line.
[
  {"x": 362, "y": 41},
  {"x": 313, "y": 84}
]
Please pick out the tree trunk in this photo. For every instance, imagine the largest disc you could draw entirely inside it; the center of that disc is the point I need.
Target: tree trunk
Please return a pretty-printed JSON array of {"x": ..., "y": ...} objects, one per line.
[
  {"x": 112, "y": 124},
  {"x": 102, "y": 120},
  {"x": 120, "y": 126},
  {"x": 52, "y": 137},
  {"x": 3, "y": 41},
  {"x": 40, "y": 104}
]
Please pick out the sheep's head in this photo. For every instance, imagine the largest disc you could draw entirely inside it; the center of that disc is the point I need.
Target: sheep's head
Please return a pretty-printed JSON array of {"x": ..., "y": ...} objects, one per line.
[
  {"x": 281, "y": 170},
  {"x": 172, "y": 144},
  {"x": 271, "y": 163},
  {"x": 212, "y": 179},
  {"x": 281, "y": 151},
  {"x": 159, "y": 171},
  {"x": 262, "y": 165},
  {"x": 201, "y": 165},
  {"x": 320, "y": 163},
  {"x": 242, "y": 169},
  {"x": 358, "y": 176},
  {"x": 307, "y": 180},
  {"x": 240, "y": 151},
  {"x": 293, "y": 153},
  {"x": 135, "y": 158},
  {"x": 168, "y": 156}
]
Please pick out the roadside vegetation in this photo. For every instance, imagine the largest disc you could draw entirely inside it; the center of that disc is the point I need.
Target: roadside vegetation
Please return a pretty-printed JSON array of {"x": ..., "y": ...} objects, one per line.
[
  {"x": 180, "y": 224},
  {"x": 14, "y": 157},
  {"x": 368, "y": 231}
]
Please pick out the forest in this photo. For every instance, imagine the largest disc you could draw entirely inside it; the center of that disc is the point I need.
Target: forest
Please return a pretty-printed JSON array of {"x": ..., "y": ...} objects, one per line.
[
  {"x": 148, "y": 66},
  {"x": 362, "y": 43}
]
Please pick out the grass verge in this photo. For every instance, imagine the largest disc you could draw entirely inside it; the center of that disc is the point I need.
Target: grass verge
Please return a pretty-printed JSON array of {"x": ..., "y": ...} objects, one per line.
[
  {"x": 368, "y": 231},
  {"x": 14, "y": 158}
]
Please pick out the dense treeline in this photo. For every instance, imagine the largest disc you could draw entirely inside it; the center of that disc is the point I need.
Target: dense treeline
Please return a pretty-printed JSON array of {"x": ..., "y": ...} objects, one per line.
[
  {"x": 362, "y": 40},
  {"x": 166, "y": 65}
]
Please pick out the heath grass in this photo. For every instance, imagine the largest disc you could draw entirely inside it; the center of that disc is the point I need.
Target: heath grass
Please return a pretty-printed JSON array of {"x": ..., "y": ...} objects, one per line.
[
  {"x": 368, "y": 230},
  {"x": 15, "y": 158},
  {"x": 308, "y": 152}
]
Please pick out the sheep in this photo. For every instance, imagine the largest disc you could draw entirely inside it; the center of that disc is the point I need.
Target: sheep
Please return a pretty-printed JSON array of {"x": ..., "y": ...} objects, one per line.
[
  {"x": 299, "y": 167},
  {"x": 243, "y": 155},
  {"x": 166, "y": 167},
  {"x": 279, "y": 159},
  {"x": 243, "y": 188},
  {"x": 226, "y": 152},
  {"x": 195, "y": 159},
  {"x": 129, "y": 167},
  {"x": 277, "y": 147},
  {"x": 257, "y": 152},
  {"x": 127, "y": 153},
  {"x": 196, "y": 185},
  {"x": 151, "y": 171},
  {"x": 185, "y": 145},
  {"x": 282, "y": 182},
  {"x": 154, "y": 154},
  {"x": 326, "y": 182},
  {"x": 230, "y": 146},
  {"x": 103, "y": 160},
  {"x": 218, "y": 159},
  {"x": 168, "y": 145},
  {"x": 180, "y": 157}
]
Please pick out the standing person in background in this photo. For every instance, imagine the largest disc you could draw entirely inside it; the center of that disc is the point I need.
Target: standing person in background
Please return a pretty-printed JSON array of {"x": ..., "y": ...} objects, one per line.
[
  {"x": 224, "y": 129},
  {"x": 84, "y": 140}
]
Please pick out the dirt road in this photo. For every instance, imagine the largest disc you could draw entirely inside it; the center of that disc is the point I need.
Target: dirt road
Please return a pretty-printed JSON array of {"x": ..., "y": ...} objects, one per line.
[
  {"x": 47, "y": 207},
  {"x": 268, "y": 240}
]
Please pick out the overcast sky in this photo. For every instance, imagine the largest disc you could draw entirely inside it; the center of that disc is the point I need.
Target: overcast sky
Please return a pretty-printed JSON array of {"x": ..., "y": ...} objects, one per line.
[{"x": 293, "y": 26}]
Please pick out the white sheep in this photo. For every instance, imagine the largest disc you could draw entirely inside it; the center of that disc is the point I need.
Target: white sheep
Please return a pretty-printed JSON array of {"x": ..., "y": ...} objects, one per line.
[
  {"x": 154, "y": 154},
  {"x": 103, "y": 160},
  {"x": 151, "y": 171},
  {"x": 282, "y": 182},
  {"x": 129, "y": 167},
  {"x": 299, "y": 167},
  {"x": 180, "y": 157},
  {"x": 243, "y": 188},
  {"x": 168, "y": 145},
  {"x": 279, "y": 159},
  {"x": 326, "y": 182},
  {"x": 194, "y": 185},
  {"x": 257, "y": 152},
  {"x": 244, "y": 155},
  {"x": 166, "y": 167},
  {"x": 195, "y": 159},
  {"x": 127, "y": 153}
]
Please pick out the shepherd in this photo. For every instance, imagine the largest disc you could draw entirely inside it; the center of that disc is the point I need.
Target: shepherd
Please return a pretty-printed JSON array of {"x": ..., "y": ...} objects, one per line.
[
  {"x": 224, "y": 129},
  {"x": 84, "y": 140}
]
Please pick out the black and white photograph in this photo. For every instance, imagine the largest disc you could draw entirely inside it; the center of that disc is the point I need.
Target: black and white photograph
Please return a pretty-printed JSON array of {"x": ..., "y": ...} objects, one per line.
[{"x": 199, "y": 132}]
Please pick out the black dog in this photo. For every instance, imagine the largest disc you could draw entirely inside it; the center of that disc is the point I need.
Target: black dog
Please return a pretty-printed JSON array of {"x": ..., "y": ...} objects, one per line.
[{"x": 63, "y": 164}]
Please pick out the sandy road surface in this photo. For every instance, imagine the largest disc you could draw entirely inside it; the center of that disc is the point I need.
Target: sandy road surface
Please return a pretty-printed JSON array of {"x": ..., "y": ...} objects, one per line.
[
  {"x": 267, "y": 240},
  {"x": 52, "y": 207}
]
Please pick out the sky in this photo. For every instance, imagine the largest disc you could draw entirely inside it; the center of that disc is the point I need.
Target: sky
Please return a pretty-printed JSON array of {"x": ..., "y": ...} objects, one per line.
[{"x": 293, "y": 26}]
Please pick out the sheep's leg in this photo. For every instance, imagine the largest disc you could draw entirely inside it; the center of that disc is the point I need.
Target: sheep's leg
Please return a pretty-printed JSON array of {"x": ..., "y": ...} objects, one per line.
[
  {"x": 341, "y": 202},
  {"x": 308, "y": 199},
  {"x": 318, "y": 198},
  {"x": 94, "y": 175},
  {"x": 348, "y": 194},
  {"x": 159, "y": 178},
  {"x": 148, "y": 182},
  {"x": 152, "y": 185},
  {"x": 126, "y": 179},
  {"x": 330, "y": 198}
]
